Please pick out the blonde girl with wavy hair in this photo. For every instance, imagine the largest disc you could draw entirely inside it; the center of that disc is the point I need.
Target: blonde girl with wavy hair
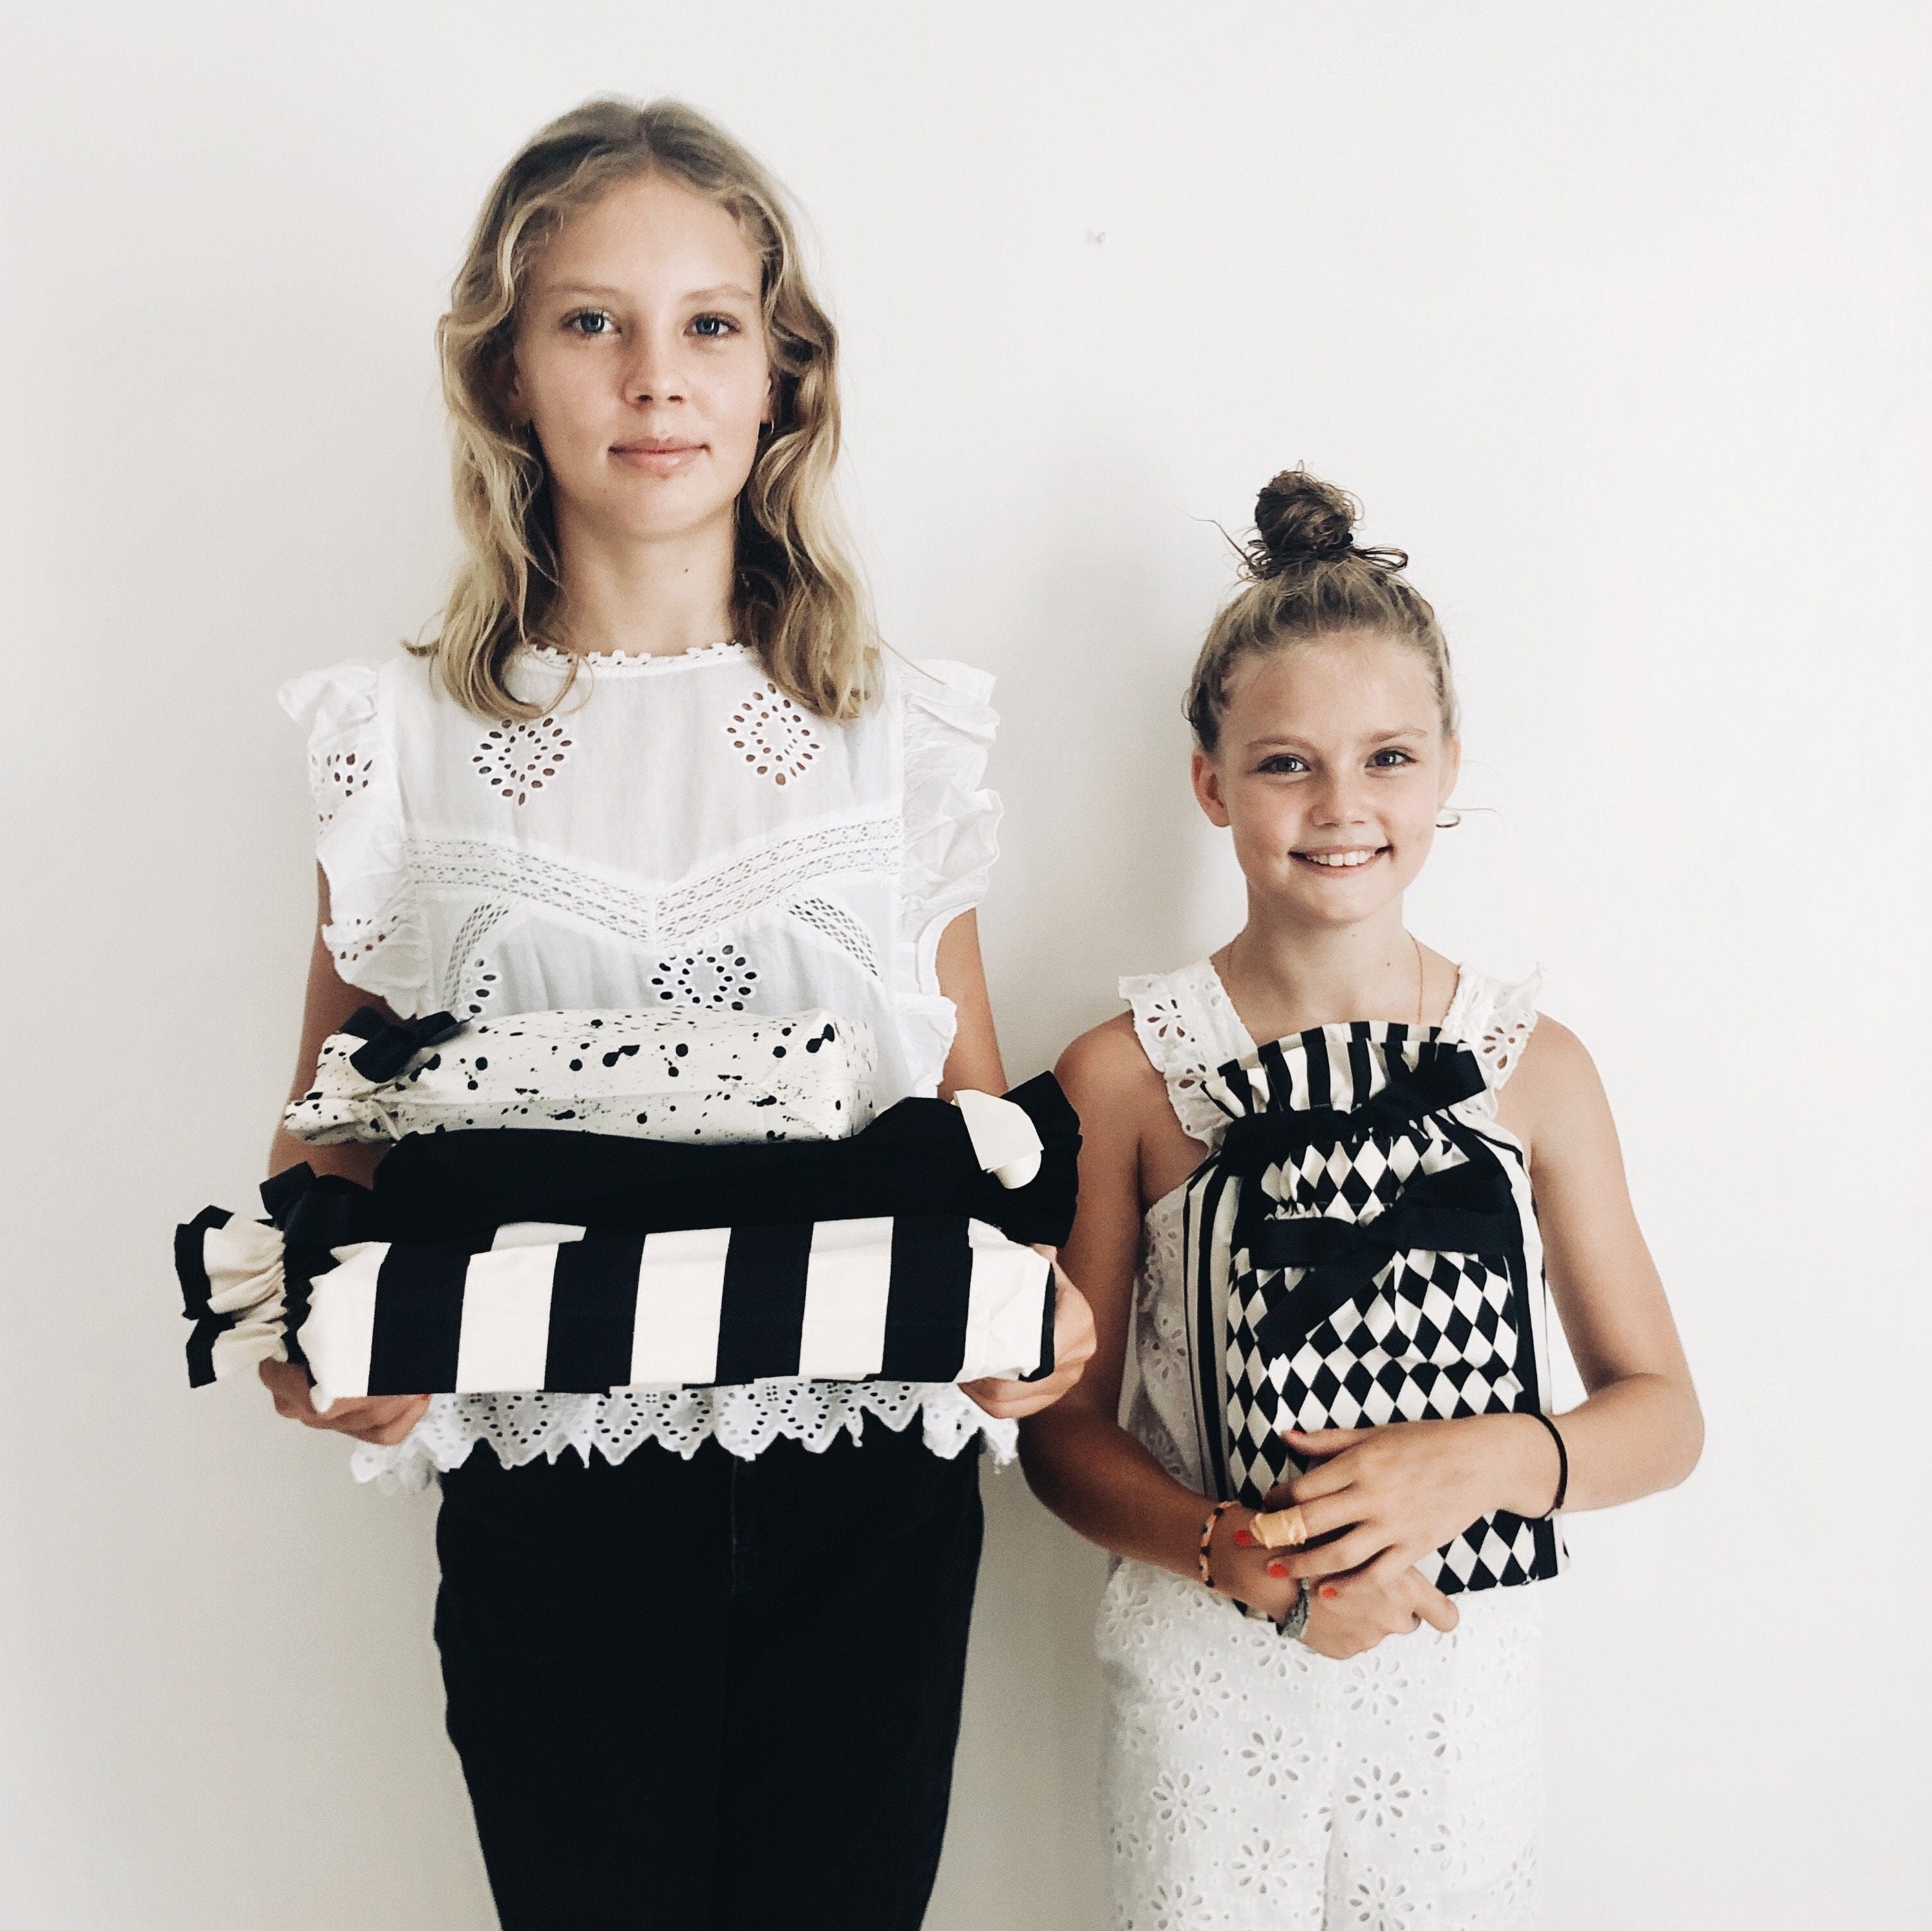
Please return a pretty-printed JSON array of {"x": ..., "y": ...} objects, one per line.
[{"x": 703, "y": 1649}]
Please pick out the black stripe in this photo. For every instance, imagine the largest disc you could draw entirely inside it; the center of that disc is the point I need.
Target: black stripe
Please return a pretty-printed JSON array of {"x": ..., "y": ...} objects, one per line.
[
  {"x": 418, "y": 1322},
  {"x": 191, "y": 1257},
  {"x": 926, "y": 1303},
  {"x": 1281, "y": 1079},
  {"x": 593, "y": 1314},
  {"x": 191, "y": 1270},
  {"x": 1210, "y": 1353},
  {"x": 1320, "y": 1088},
  {"x": 761, "y": 1325},
  {"x": 1361, "y": 1069},
  {"x": 1049, "y": 1299}
]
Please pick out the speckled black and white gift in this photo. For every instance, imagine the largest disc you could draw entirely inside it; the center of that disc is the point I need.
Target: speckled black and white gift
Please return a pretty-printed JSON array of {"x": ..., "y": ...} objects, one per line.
[{"x": 714, "y": 1076}]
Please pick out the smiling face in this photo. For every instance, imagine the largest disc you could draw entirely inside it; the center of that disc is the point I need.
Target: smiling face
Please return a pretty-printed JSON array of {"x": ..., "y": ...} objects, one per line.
[
  {"x": 641, "y": 361},
  {"x": 1330, "y": 768}
]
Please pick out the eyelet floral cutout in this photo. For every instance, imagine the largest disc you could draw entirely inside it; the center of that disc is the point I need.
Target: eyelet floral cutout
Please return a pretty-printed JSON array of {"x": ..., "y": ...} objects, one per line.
[
  {"x": 354, "y": 938},
  {"x": 336, "y": 779},
  {"x": 774, "y": 735},
  {"x": 517, "y": 760},
  {"x": 470, "y": 981},
  {"x": 723, "y": 978}
]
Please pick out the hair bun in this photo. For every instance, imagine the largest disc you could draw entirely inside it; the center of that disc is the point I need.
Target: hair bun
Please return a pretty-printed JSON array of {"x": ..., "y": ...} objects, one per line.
[{"x": 1300, "y": 520}]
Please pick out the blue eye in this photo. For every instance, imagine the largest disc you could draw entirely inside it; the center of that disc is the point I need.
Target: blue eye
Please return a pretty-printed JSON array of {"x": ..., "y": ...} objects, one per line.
[
  {"x": 1278, "y": 765},
  {"x": 1400, "y": 757},
  {"x": 713, "y": 327},
  {"x": 590, "y": 322}
]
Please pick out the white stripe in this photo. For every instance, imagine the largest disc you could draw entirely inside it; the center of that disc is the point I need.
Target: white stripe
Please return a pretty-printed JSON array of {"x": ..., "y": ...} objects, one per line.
[
  {"x": 506, "y": 1333},
  {"x": 341, "y": 1323},
  {"x": 1005, "y": 1311},
  {"x": 847, "y": 1280},
  {"x": 533, "y": 1233},
  {"x": 680, "y": 1291}
]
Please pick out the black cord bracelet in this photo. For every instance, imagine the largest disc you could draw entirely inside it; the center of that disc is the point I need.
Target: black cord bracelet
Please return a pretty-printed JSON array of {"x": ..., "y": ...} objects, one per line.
[{"x": 1562, "y": 1461}]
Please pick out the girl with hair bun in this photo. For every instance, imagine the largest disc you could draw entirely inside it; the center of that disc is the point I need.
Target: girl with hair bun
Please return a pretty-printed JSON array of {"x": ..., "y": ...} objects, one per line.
[
  {"x": 703, "y": 1647},
  {"x": 1327, "y": 1173}
]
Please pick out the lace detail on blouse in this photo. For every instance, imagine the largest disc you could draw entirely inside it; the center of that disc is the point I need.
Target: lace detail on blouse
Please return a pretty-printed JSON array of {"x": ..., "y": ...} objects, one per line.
[
  {"x": 763, "y": 877},
  {"x": 1494, "y": 1017},
  {"x": 746, "y": 1421},
  {"x": 1187, "y": 1026},
  {"x": 631, "y": 663}
]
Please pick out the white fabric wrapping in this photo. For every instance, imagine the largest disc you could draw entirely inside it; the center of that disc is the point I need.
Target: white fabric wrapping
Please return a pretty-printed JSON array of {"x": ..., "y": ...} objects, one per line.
[
  {"x": 715, "y": 1077},
  {"x": 1005, "y": 1142},
  {"x": 244, "y": 1263}
]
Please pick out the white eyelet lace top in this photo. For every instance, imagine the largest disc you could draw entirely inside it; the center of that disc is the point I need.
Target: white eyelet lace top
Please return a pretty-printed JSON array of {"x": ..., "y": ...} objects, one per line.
[
  {"x": 1188, "y": 1027},
  {"x": 673, "y": 832}
]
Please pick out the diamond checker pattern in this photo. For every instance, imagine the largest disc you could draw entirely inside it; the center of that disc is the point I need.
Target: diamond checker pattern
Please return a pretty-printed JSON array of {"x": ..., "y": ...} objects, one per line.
[{"x": 1434, "y": 1336}]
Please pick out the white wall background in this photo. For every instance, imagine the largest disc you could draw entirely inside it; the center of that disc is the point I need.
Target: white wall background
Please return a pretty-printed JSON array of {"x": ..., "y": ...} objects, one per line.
[{"x": 1615, "y": 316}]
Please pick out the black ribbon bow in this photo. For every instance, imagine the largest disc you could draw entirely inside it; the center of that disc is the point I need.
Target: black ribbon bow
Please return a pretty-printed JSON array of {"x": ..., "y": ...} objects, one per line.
[
  {"x": 391, "y": 1044},
  {"x": 1443, "y": 1079},
  {"x": 1460, "y": 1210}
]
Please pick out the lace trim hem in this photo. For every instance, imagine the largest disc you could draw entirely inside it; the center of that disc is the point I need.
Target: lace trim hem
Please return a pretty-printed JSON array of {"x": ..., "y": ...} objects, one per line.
[
  {"x": 630, "y": 664},
  {"x": 744, "y": 1421}
]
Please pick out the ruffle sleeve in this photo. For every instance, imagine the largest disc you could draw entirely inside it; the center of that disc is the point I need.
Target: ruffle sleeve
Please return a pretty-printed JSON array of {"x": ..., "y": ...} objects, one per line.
[
  {"x": 952, "y": 835},
  {"x": 375, "y": 932},
  {"x": 1495, "y": 1017},
  {"x": 1187, "y": 1029}
]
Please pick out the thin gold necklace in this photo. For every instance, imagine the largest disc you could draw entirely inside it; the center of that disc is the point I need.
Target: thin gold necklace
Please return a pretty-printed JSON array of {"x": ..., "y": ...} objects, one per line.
[{"x": 1225, "y": 966}]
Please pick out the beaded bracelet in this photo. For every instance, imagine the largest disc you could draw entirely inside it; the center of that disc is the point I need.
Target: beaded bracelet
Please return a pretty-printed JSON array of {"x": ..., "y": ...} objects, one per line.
[
  {"x": 1562, "y": 1459},
  {"x": 1214, "y": 1514}
]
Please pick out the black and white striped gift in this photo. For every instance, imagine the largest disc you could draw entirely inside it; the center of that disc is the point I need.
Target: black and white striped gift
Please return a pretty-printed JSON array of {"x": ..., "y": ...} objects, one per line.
[
  {"x": 1361, "y": 1250},
  {"x": 917, "y": 1298},
  {"x": 507, "y": 1260}
]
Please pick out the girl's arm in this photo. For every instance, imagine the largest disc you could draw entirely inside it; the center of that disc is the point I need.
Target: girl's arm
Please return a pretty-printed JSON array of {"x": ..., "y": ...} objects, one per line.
[
  {"x": 1409, "y": 1487},
  {"x": 974, "y": 1061},
  {"x": 1079, "y": 1461},
  {"x": 384, "y": 1418}
]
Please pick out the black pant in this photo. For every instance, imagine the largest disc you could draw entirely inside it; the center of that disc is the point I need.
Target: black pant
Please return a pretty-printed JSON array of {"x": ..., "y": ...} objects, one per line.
[{"x": 711, "y": 1694}]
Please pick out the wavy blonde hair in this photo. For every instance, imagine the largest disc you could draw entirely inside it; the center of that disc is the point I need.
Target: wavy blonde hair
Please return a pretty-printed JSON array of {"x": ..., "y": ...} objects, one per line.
[{"x": 797, "y": 598}]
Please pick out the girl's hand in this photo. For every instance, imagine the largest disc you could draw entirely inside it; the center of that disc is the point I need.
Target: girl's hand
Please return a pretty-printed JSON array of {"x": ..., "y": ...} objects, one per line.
[
  {"x": 1073, "y": 1343},
  {"x": 1386, "y": 1497},
  {"x": 382, "y": 1419},
  {"x": 1347, "y": 1615}
]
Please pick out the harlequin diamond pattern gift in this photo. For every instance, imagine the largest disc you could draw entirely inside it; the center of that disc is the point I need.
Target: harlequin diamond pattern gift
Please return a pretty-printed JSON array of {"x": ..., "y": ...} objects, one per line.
[{"x": 1362, "y": 1249}]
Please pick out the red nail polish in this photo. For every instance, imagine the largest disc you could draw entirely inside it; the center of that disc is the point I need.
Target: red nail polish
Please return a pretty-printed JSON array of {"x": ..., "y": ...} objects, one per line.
[
  {"x": 1328, "y": 1591},
  {"x": 1243, "y": 1540},
  {"x": 1277, "y": 1568}
]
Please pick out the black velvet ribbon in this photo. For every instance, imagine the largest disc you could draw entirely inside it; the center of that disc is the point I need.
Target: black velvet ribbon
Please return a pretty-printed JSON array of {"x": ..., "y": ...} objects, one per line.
[
  {"x": 1461, "y": 1209},
  {"x": 390, "y": 1043},
  {"x": 917, "y": 1158},
  {"x": 1443, "y": 1078}
]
